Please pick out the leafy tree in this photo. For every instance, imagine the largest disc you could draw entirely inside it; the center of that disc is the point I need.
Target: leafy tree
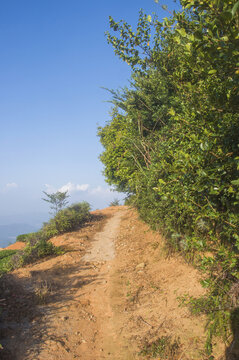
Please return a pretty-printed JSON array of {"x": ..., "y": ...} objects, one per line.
[
  {"x": 57, "y": 200},
  {"x": 172, "y": 142}
]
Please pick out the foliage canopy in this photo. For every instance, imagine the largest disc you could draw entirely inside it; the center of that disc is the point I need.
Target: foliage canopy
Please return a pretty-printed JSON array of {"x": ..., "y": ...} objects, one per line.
[{"x": 172, "y": 143}]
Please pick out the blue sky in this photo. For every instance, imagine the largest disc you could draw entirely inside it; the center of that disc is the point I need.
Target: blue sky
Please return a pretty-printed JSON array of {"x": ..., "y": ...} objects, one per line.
[{"x": 54, "y": 61}]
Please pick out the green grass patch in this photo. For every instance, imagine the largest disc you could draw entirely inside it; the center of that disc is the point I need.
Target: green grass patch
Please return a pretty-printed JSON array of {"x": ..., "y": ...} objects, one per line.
[{"x": 164, "y": 347}]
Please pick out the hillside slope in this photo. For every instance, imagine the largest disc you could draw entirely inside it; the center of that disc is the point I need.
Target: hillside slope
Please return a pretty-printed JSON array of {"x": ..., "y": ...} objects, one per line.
[{"x": 110, "y": 294}]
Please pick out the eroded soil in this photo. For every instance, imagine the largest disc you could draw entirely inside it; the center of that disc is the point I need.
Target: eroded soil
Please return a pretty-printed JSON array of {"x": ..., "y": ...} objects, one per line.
[{"x": 113, "y": 291}]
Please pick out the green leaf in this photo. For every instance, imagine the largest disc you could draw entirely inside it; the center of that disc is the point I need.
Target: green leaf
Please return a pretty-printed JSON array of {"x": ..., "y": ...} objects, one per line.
[
  {"x": 235, "y": 8},
  {"x": 171, "y": 112},
  {"x": 227, "y": 15},
  {"x": 177, "y": 39},
  {"x": 189, "y": 5},
  {"x": 182, "y": 32},
  {"x": 210, "y": 72},
  {"x": 205, "y": 283},
  {"x": 235, "y": 182},
  {"x": 198, "y": 35},
  {"x": 224, "y": 38},
  {"x": 204, "y": 146}
]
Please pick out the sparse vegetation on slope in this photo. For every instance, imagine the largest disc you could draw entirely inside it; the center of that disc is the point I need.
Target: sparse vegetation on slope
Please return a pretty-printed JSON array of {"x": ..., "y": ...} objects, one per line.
[
  {"x": 164, "y": 348},
  {"x": 115, "y": 202},
  {"x": 38, "y": 246}
]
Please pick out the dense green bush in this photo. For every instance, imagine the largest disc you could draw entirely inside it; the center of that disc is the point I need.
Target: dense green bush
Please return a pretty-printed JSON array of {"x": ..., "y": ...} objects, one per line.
[
  {"x": 68, "y": 219},
  {"x": 28, "y": 236},
  {"x": 172, "y": 143},
  {"x": 23, "y": 237}
]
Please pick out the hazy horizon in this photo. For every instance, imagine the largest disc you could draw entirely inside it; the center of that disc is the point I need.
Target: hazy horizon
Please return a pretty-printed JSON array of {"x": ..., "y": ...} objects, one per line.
[
  {"x": 54, "y": 62},
  {"x": 12, "y": 225}
]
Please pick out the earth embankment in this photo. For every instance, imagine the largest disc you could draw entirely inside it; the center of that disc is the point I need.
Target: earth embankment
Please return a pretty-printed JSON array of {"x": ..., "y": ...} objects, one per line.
[{"x": 112, "y": 292}]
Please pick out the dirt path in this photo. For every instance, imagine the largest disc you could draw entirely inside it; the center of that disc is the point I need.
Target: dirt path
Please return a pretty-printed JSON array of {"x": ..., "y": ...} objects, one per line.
[
  {"x": 111, "y": 293},
  {"x": 103, "y": 248}
]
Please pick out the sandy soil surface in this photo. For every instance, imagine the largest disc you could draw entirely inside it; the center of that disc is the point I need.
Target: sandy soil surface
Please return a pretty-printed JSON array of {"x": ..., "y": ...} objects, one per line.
[
  {"x": 18, "y": 245},
  {"x": 112, "y": 292}
]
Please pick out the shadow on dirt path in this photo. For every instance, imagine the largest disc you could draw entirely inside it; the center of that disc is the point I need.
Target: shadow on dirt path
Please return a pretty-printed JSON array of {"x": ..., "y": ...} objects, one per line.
[
  {"x": 35, "y": 300},
  {"x": 25, "y": 320}
]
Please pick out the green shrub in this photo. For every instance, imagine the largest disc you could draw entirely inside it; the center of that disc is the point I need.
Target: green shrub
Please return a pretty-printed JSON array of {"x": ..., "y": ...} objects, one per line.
[
  {"x": 5, "y": 260},
  {"x": 65, "y": 220},
  {"x": 41, "y": 249},
  {"x": 34, "y": 252},
  {"x": 164, "y": 347},
  {"x": 72, "y": 217},
  {"x": 130, "y": 200},
  {"x": 115, "y": 202},
  {"x": 82, "y": 208},
  {"x": 24, "y": 237},
  {"x": 38, "y": 245},
  {"x": 49, "y": 230}
]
